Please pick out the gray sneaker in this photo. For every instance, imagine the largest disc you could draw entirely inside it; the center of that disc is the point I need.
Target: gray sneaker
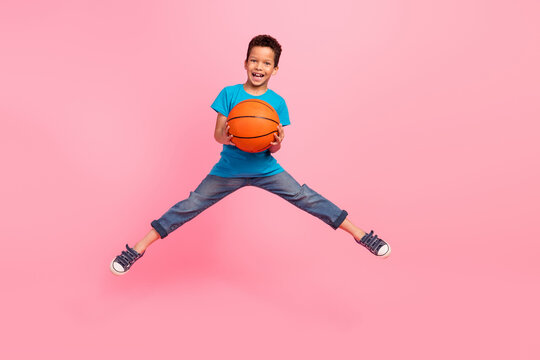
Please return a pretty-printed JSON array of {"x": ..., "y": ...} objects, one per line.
[
  {"x": 123, "y": 262},
  {"x": 375, "y": 245}
]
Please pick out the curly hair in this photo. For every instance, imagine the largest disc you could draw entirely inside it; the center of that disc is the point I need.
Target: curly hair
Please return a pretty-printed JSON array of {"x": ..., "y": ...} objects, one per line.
[{"x": 267, "y": 41}]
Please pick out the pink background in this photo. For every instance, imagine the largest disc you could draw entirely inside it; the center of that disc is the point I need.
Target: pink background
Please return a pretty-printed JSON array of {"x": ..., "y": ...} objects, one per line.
[{"x": 418, "y": 117}]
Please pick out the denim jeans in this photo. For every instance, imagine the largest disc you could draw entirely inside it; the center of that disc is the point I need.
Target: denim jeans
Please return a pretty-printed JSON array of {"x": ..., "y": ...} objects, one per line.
[{"x": 214, "y": 188}]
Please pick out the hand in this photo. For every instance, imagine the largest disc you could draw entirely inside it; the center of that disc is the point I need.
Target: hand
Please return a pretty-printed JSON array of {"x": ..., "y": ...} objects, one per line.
[
  {"x": 227, "y": 136},
  {"x": 278, "y": 138}
]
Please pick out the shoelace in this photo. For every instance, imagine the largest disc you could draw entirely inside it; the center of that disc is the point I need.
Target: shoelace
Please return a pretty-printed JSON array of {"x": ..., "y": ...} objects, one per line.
[
  {"x": 372, "y": 242},
  {"x": 126, "y": 258}
]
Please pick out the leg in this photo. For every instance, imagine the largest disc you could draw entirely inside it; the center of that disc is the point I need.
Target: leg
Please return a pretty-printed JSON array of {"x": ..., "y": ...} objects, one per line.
[
  {"x": 210, "y": 191},
  {"x": 285, "y": 186},
  {"x": 349, "y": 227},
  {"x": 153, "y": 235},
  {"x": 141, "y": 246},
  {"x": 310, "y": 201}
]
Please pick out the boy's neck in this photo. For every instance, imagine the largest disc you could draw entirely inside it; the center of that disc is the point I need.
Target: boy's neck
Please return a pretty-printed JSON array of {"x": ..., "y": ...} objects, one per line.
[{"x": 255, "y": 91}]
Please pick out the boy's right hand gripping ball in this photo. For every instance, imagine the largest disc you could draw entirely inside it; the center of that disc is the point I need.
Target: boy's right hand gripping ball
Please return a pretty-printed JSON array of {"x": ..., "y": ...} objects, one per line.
[{"x": 252, "y": 123}]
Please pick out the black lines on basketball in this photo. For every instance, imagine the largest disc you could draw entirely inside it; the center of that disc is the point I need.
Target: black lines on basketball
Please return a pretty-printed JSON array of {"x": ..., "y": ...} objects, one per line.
[
  {"x": 262, "y": 103},
  {"x": 256, "y": 117},
  {"x": 254, "y": 137}
]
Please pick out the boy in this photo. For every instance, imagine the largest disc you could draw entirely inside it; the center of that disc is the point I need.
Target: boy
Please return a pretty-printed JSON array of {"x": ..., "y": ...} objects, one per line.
[{"x": 237, "y": 168}]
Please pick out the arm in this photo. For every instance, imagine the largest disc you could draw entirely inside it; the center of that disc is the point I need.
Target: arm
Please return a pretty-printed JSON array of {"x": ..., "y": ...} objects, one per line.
[
  {"x": 221, "y": 133},
  {"x": 278, "y": 138}
]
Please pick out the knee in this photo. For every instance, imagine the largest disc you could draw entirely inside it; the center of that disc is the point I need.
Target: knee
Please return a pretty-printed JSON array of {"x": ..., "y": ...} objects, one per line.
[
  {"x": 192, "y": 201},
  {"x": 305, "y": 194},
  {"x": 196, "y": 197}
]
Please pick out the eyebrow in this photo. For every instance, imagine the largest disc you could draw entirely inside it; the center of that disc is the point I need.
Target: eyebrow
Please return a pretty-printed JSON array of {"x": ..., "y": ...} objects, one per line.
[{"x": 254, "y": 57}]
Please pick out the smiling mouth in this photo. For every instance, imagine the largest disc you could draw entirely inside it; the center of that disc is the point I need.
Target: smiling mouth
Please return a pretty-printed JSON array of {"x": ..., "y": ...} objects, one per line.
[{"x": 257, "y": 76}]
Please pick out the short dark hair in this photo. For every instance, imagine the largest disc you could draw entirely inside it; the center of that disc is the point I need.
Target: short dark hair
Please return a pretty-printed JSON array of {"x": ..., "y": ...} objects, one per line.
[{"x": 266, "y": 41}]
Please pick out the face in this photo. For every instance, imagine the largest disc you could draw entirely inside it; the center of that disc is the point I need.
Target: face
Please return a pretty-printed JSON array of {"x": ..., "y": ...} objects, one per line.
[{"x": 260, "y": 66}]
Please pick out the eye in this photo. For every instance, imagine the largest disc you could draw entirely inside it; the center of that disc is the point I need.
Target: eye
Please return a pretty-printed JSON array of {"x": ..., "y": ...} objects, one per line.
[{"x": 267, "y": 64}]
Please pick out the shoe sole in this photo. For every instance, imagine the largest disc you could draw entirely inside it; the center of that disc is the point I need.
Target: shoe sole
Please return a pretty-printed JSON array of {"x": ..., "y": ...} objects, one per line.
[{"x": 114, "y": 271}]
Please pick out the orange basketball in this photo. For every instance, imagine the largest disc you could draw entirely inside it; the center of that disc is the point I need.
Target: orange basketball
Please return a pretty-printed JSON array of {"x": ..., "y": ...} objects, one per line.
[{"x": 252, "y": 124}]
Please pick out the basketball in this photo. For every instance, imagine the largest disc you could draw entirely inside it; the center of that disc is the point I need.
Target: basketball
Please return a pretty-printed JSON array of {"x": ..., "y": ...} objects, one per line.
[{"x": 252, "y": 123}]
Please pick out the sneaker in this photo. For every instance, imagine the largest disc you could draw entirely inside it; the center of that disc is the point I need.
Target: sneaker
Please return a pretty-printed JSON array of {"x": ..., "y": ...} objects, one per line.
[
  {"x": 121, "y": 264},
  {"x": 377, "y": 246}
]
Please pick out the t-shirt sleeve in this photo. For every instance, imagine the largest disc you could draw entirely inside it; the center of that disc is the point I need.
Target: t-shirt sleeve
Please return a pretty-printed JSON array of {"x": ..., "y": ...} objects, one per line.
[
  {"x": 221, "y": 104},
  {"x": 283, "y": 113}
]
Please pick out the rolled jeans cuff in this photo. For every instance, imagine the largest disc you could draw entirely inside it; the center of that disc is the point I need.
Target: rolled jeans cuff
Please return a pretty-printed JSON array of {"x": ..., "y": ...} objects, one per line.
[
  {"x": 339, "y": 220},
  {"x": 160, "y": 229}
]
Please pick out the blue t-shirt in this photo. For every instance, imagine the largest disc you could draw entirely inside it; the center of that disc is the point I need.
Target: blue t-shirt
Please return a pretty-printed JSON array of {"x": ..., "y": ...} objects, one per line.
[{"x": 235, "y": 162}]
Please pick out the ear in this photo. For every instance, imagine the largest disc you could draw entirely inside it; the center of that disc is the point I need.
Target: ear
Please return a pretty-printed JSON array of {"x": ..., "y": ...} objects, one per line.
[
  {"x": 275, "y": 70},
  {"x": 245, "y": 65}
]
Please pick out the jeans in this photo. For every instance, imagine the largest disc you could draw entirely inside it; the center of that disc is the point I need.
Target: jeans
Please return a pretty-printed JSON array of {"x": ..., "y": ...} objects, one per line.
[{"x": 214, "y": 188}]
